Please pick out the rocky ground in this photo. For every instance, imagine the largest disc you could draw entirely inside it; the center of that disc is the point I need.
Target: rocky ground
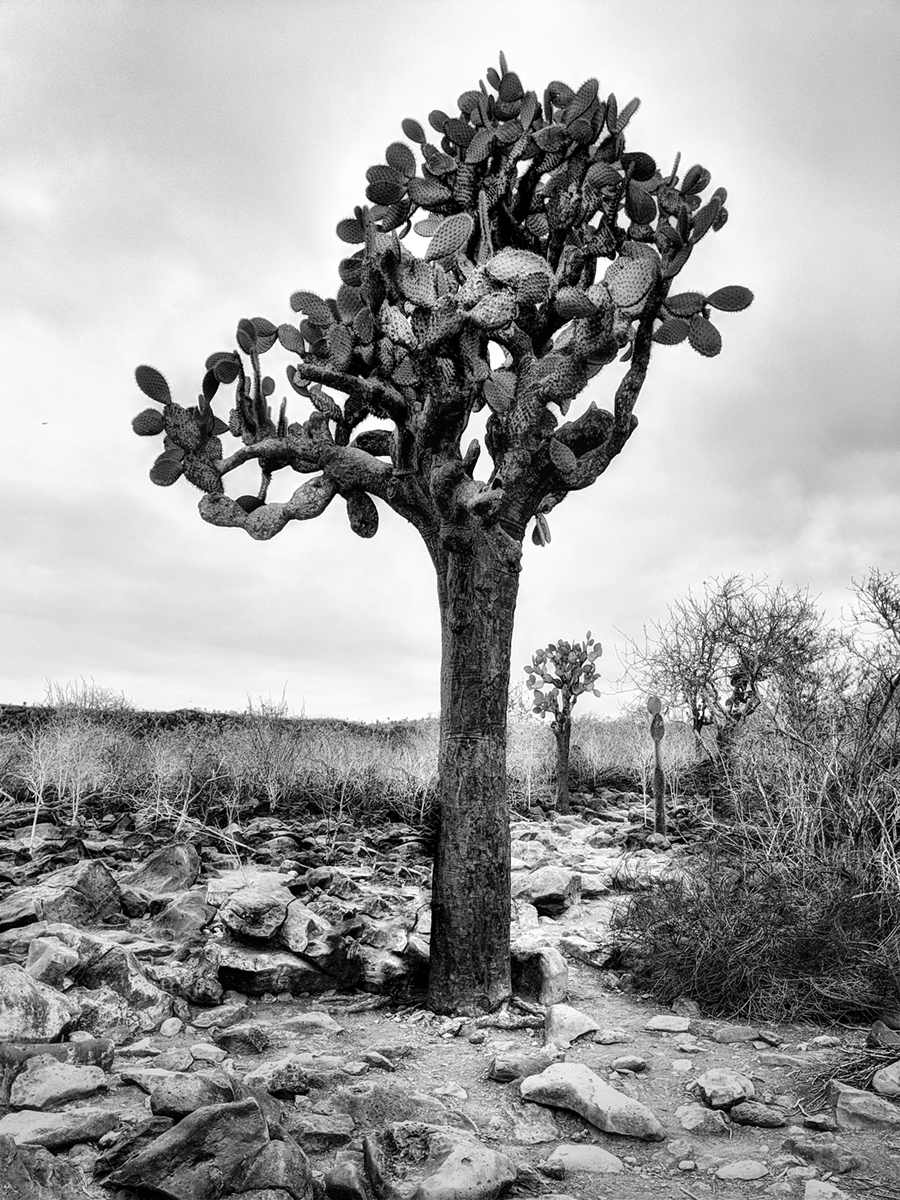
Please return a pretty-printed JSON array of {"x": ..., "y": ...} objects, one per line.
[{"x": 238, "y": 1014}]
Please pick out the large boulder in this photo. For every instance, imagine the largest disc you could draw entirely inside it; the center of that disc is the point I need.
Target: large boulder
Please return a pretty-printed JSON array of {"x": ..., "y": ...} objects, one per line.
[
  {"x": 46, "y": 1082},
  {"x": 168, "y": 869},
  {"x": 82, "y": 894},
  {"x": 256, "y": 971},
  {"x": 539, "y": 973},
  {"x": 577, "y": 1087},
  {"x": 255, "y": 914},
  {"x": 434, "y": 1163},
  {"x": 106, "y": 964},
  {"x": 550, "y": 889},
  {"x": 29, "y": 1173},
  {"x": 31, "y": 1011},
  {"x": 57, "y": 1130},
  {"x": 203, "y": 1157}
]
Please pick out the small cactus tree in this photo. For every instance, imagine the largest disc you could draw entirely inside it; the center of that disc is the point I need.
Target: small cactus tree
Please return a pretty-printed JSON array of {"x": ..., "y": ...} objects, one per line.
[
  {"x": 557, "y": 676},
  {"x": 551, "y": 252},
  {"x": 657, "y": 733}
]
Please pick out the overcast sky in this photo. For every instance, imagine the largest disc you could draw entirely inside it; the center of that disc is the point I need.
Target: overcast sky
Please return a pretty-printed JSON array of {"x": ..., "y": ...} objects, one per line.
[{"x": 169, "y": 168}]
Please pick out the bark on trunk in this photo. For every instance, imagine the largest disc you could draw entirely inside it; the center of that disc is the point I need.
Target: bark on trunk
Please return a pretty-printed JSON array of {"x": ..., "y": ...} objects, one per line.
[
  {"x": 470, "y": 968},
  {"x": 562, "y": 731}
]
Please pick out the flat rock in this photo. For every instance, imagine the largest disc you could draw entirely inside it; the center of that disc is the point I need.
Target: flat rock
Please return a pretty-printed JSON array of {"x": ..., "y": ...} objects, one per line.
[
  {"x": 593, "y": 1160},
  {"x": 824, "y": 1151},
  {"x": 219, "y": 889},
  {"x": 318, "y": 1133},
  {"x": 311, "y": 1023},
  {"x": 856, "y": 1109},
  {"x": 668, "y": 1023},
  {"x": 178, "y": 1094},
  {"x": 735, "y": 1033},
  {"x": 379, "y": 1102},
  {"x": 563, "y": 1025},
  {"x": 744, "y": 1168},
  {"x": 285, "y": 1077},
  {"x": 434, "y": 1163},
  {"x": 721, "y": 1087},
  {"x": 46, "y": 1082},
  {"x": 31, "y": 1011},
  {"x": 577, "y": 1087},
  {"x": 57, "y": 1130}
]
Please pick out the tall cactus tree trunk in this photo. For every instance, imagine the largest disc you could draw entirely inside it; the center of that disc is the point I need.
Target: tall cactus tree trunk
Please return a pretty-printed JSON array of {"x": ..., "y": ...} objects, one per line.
[
  {"x": 470, "y": 968},
  {"x": 562, "y": 731}
]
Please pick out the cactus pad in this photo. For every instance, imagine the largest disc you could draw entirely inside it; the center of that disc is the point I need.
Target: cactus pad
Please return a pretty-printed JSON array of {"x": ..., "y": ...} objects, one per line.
[
  {"x": 671, "y": 332},
  {"x": 153, "y": 384},
  {"x": 312, "y": 306},
  {"x": 165, "y": 471},
  {"x": 733, "y": 298},
  {"x": 630, "y": 282},
  {"x": 148, "y": 423},
  {"x": 704, "y": 336},
  {"x": 451, "y": 236},
  {"x": 363, "y": 514}
]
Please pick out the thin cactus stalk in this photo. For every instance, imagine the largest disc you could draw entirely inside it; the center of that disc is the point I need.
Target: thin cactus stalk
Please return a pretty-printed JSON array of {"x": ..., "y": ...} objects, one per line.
[{"x": 657, "y": 733}]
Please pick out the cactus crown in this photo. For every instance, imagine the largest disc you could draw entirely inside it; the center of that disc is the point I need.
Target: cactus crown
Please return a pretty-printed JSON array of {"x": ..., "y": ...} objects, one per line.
[
  {"x": 522, "y": 199},
  {"x": 560, "y": 673}
]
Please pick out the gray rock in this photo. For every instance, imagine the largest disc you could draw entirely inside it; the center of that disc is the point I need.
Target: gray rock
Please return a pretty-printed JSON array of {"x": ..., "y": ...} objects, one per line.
[
  {"x": 720, "y": 1087},
  {"x": 254, "y": 972},
  {"x": 824, "y": 1151},
  {"x": 46, "y": 1082},
  {"x": 30, "y": 1173},
  {"x": 517, "y": 1064},
  {"x": 183, "y": 916},
  {"x": 695, "y": 1118},
  {"x": 434, "y": 1163},
  {"x": 318, "y": 1133},
  {"x": 539, "y": 973},
  {"x": 91, "y": 1052},
  {"x": 84, "y": 893},
  {"x": 31, "y": 1011},
  {"x": 882, "y": 1037},
  {"x": 744, "y": 1168},
  {"x": 300, "y": 925},
  {"x": 378, "y": 1102},
  {"x": 563, "y": 1025},
  {"x": 347, "y": 1181},
  {"x": 310, "y": 1024},
  {"x": 202, "y": 1157},
  {"x": 178, "y": 1094},
  {"x": 856, "y": 1109},
  {"x": 171, "y": 868},
  {"x": 577, "y": 1087},
  {"x": 751, "y": 1112},
  {"x": 668, "y": 1023},
  {"x": 550, "y": 889},
  {"x": 886, "y": 1082},
  {"x": 221, "y": 1016},
  {"x": 280, "y": 1169},
  {"x": 247, "y": 1037},
  {"x": 284, "y": 1077},
  {"x": 255, "y": 914},
  {"x": 591, "y": 1160},
  {"x": 49, "y": 961},
  {"x": 57, "y": 1130},
  {"x": 735, "y": 1033}
]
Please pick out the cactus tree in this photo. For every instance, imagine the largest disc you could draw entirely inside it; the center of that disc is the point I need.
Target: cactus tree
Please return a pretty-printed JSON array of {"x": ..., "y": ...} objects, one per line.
[
  {"x": 557, "y": 676},
  {"x": 551, "y": 251}
]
